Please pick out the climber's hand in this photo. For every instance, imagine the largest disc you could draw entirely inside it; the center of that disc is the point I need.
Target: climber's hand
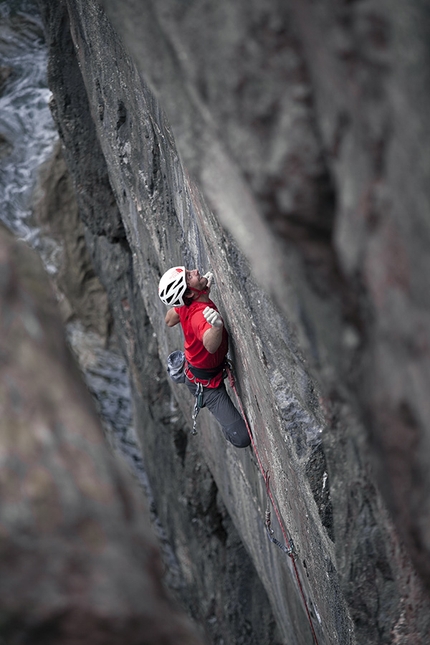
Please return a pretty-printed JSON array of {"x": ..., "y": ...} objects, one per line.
[
  {"x": 212, "y": 317},
  {"x": 209, "y": 277}
]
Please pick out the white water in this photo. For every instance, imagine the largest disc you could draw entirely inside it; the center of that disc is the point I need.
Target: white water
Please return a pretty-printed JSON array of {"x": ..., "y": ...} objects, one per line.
[{"x": 25, "y": 119}]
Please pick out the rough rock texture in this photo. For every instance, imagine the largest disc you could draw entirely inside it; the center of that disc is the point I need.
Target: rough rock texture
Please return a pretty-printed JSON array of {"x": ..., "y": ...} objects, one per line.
[
  {"x": 5, "y": 72},
  {"x": 321, "y": 109},
  {"x": 78, "y": 561},
  {"x": 80, "y": 292},
  {"x": 219, "y": 585},
  {"x": 229, "y": 576},
  {"x": 5, "y": 147},
  {"x": 300, "y": 127}
]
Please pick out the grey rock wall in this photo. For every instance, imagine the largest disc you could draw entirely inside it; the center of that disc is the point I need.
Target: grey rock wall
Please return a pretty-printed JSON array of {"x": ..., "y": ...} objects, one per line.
[
  {"x": 79, "y": 562},
  {"x": 79, "y": 291},
  {"x": 291, "y": 131}
]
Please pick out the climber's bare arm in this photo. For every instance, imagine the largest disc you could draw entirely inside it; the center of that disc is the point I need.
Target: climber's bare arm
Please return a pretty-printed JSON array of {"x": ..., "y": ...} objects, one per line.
[
  {"x": 212, "y": 339},
  {"x": 172, "y": 318}
]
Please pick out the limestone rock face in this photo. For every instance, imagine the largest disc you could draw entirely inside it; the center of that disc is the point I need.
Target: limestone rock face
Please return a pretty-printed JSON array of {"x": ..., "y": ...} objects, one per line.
[
  {"x": 281, "y": 147},
  {"x": 79, "y": 563}
]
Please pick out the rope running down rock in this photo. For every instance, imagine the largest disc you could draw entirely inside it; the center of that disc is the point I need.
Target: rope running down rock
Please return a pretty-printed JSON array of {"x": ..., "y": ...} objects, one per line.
[{"x": 288, "y": 548}]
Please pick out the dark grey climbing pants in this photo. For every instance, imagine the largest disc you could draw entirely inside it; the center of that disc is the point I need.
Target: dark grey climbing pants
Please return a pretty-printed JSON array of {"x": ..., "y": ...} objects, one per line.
[{"x": 219, "y": 403}]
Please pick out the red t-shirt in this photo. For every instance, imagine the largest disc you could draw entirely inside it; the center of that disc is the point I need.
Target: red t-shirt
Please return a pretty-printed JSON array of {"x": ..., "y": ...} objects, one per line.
[{"x": 194, "y": 325}]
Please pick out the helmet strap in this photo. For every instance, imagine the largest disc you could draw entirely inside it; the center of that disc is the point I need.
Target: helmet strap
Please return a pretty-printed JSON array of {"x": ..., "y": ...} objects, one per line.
[{"x": 201, "y": 292}]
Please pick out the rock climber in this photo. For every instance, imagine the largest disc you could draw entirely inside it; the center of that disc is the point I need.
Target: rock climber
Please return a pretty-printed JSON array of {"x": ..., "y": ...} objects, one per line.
[{"x": 205, "y": 346}]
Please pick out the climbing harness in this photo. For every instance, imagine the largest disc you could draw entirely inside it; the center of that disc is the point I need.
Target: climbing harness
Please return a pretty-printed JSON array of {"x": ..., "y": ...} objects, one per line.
[
  {"x": 192, "y": 374},
  {"x": 204, "y": 374},
  {"x": 288, "y": 548}
]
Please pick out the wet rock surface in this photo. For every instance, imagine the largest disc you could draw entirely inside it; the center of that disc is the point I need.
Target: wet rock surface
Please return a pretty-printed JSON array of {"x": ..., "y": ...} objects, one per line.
[{"x": 287, "y": 125}]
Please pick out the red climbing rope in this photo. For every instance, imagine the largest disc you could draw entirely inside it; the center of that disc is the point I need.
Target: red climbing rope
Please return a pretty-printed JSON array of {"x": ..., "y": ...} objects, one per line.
[{"x": 266, "y": 476}]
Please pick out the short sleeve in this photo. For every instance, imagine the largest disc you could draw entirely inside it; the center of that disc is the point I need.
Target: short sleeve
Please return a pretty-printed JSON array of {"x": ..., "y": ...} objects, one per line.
[{"x": 199, "y": 325}]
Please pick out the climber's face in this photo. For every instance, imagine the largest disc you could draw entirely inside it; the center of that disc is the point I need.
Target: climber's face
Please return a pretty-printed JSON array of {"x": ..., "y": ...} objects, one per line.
[{"x": 195, "y": 280}]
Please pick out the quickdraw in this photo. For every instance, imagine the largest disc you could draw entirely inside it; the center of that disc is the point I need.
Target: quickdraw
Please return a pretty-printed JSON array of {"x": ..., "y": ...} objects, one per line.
[
  {"x": 198, "y": 404},
  {"x": 289, "y": 550}
]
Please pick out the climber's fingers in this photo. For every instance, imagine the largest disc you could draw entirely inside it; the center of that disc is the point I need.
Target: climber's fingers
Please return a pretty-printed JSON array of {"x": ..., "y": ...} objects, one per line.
[
  {"x": 209, "y": 277},
  {"x": 212, "y": 317}
]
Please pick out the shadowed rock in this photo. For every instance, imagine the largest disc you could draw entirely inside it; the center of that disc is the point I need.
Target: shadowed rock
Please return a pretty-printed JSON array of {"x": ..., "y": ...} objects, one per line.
[
  {"x": 291, "y": 152},
  {"x": 78, "y": 563},
  {"x": 80, "y": 293},
  {"x": 5, "y": 147},
  {"x": 303, "y": 127},
  {"x": 5, "y": 72}
]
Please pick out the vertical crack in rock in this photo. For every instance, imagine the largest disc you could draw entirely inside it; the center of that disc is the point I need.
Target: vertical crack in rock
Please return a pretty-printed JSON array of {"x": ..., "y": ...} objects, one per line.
[{"x": 316, "y": 470}]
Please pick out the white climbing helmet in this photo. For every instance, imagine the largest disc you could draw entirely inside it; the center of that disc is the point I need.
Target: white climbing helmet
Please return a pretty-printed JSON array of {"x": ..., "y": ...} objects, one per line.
[{"x": 172, "y": 286}]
